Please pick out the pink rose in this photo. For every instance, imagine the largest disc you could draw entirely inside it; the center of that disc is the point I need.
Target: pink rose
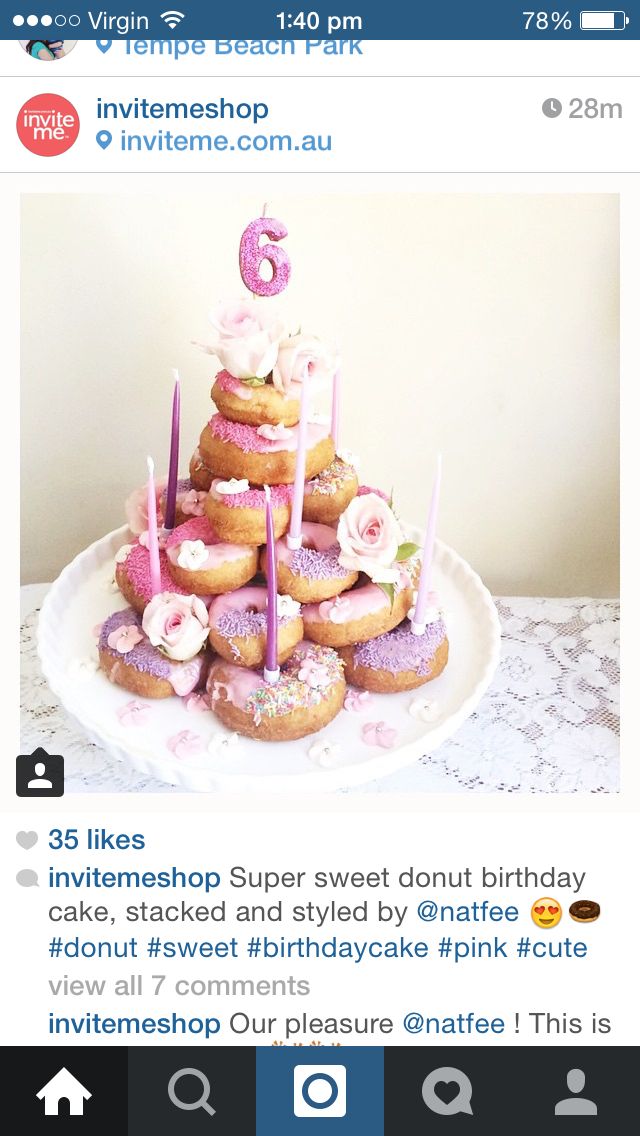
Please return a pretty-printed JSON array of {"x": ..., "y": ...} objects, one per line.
[
  {"x": 177, "y": 625},
  {"x": 135, "y": 506},
  {"x": 247, "y": 335},
  {"x": 124, "y": 639},
  {"x": 293, "y": 356},
  {"x": 369, "y": 537},
  {"x": 192, "y": 503}
]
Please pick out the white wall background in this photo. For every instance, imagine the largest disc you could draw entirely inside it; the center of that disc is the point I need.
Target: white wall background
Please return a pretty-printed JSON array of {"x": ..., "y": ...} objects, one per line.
[{"x": 485, "y": 326}]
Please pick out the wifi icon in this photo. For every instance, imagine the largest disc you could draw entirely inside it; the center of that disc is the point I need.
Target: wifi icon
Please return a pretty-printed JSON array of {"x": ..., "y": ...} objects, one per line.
[{"x": 172, "y": 19}]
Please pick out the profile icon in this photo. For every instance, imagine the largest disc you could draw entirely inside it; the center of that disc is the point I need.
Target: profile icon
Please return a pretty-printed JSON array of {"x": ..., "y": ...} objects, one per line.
[
  {"x": 47, "y": 50},
  {"x": 39, "y": 781},
  {"x": 40, "y": 774},
  {"x": 576, "y": 1105}
]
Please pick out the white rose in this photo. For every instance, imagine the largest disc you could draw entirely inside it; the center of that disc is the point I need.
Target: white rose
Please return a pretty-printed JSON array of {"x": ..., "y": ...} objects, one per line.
[
  {"x": 246, "y": 338},
  {"x": 369, "y": 537},
  {"x": 294, "y": 355},
  {"x": 177, "y": 625}
]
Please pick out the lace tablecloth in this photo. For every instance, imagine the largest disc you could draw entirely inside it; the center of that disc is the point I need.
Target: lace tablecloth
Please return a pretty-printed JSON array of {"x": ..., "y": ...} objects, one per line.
[{"x": 548, "y": 724}]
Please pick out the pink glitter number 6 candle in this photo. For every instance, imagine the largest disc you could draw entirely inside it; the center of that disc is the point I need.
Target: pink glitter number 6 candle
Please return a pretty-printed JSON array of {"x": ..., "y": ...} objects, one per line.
[{"x": 252, "y": 254}]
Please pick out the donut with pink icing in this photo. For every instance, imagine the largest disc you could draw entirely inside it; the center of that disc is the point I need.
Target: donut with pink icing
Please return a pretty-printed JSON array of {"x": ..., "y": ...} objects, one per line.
[
  {"x": 307, "y": 696},
  {"x": 313, "y": 572},
  {"x": 200, "y": 562},
  {"x": 242, "y": 402},
  {"x": 264, "y": 455},
  {"x": 357, "y": 615},
  {"x": 199, "y": 473},
  {"x": 238, "y": 622},
  {"x": 133, "y": 574},
  {"x": 129, "y": 660},
  {"x": 397, "y": 660},
  {"x": 327, "y": 495},
  {"x": 236, "y": 510},
  {"x": 189, "y": 501}
]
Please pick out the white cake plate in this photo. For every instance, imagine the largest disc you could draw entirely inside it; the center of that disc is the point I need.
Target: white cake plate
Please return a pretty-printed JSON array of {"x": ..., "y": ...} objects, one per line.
[{"x": 83, "y": 596}]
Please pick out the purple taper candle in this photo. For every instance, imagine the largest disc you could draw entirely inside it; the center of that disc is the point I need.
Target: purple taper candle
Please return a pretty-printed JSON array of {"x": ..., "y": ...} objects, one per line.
[
  {"x": 335, "y": 407},
  {"x": 294, "y": 536},
  {"x": 418, "y": 624},
  {"x": 174, "y": 457},
  {"x": 271, "y": 668},
  {"x": 152, "y": 533}
]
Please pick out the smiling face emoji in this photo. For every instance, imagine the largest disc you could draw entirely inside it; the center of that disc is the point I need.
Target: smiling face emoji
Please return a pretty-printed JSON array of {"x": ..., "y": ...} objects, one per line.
[{"x": 546, "y": 912}]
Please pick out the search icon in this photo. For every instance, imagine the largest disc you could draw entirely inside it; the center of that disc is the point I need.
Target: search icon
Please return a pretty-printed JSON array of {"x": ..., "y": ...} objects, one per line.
[{"x": 203, "y": 1099}]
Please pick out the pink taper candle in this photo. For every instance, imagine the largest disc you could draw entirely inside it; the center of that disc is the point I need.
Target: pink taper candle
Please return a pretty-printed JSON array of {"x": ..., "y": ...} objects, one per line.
[
  {"x": 152, "y": 524},
  {"x": 271, "y": 668},
  {"x": 174, "y": 455},
  {"x": 418, "y": 623},
  {"x": 294, "y": 536},
  {"x": 335, "y": 407}
]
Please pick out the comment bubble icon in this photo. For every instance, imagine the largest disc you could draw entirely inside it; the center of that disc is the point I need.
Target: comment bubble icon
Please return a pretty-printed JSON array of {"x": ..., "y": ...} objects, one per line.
[
  {"x": 27, "y": 878},
  {"x": 447, "y": 1091}
]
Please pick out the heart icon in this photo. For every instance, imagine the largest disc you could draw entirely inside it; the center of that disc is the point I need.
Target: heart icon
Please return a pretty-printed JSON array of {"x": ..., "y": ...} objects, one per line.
[
  {"x": 27, "y": 839},
  {"x": 553, "y": 910},
  {"x": 447, "y": 1091},
  {"x": 539, "y": 910}
]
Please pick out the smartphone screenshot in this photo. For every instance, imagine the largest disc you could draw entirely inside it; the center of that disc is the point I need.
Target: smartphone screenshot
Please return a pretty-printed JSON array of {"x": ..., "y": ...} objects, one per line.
[{"x": 320, "y": 331}]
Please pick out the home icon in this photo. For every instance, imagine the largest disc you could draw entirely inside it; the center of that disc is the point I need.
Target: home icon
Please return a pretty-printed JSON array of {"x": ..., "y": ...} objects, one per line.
[{"x": 64, "y": 1086}]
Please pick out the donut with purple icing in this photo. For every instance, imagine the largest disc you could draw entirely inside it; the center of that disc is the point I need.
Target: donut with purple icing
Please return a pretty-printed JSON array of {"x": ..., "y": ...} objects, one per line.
[
  {"x": 307, "y": 696},
  {"x": 133, "y": 575},
  {"x": 199, "y": 473},
  {"x": 189, "y": 501},
  {"x": 238, "y": 622},
  {"x": 397, "y": 660},
  {"x": 129, "y": 660},
  {"x": 202, "y": 564},
  {"x": 241, "y": 402},
  {"x": 313, "y": 572},
  {"x": 236, "y": 510},
  {"x": 327, "y": 495},
  {"x": 357, "y": 615},
  {"x": 266, "y": 454}
]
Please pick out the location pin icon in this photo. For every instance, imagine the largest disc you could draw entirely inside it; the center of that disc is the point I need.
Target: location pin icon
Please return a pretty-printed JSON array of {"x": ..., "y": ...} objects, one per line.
[
  {"x": 104, "y": 45},
  {"x": 104, "y": 139}
]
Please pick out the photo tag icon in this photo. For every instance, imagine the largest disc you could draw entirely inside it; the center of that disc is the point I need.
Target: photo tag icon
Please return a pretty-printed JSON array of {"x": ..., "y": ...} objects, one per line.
[{"x": 40, "y": 774}]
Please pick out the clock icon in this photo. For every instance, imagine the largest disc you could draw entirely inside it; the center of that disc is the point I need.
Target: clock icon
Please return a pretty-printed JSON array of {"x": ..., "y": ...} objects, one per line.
[{"x": 552, "y": 108}]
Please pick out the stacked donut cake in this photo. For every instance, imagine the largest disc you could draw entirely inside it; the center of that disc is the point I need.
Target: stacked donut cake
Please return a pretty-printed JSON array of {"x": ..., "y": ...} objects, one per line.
[{"x": 345, "y": 592}]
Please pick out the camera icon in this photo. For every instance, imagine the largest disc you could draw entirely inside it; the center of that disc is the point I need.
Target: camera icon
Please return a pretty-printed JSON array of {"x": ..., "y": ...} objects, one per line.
[{"x": 320, "y": 1090}]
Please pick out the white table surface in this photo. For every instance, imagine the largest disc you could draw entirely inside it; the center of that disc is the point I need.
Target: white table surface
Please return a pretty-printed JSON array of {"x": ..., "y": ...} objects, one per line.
[{"x": 548, "y": 724}]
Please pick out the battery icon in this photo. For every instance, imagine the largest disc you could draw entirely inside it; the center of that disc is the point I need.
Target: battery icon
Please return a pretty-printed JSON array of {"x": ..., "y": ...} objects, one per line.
[{"x": 603, "y": 21}]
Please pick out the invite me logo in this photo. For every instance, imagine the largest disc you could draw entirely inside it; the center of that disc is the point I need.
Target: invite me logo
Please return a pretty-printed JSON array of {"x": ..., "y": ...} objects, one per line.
[{"x": 48, "y": 125}]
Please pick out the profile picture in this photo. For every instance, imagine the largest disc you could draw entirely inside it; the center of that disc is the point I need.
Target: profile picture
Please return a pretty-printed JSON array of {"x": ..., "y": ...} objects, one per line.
[{"x": 47, "y": 49}]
